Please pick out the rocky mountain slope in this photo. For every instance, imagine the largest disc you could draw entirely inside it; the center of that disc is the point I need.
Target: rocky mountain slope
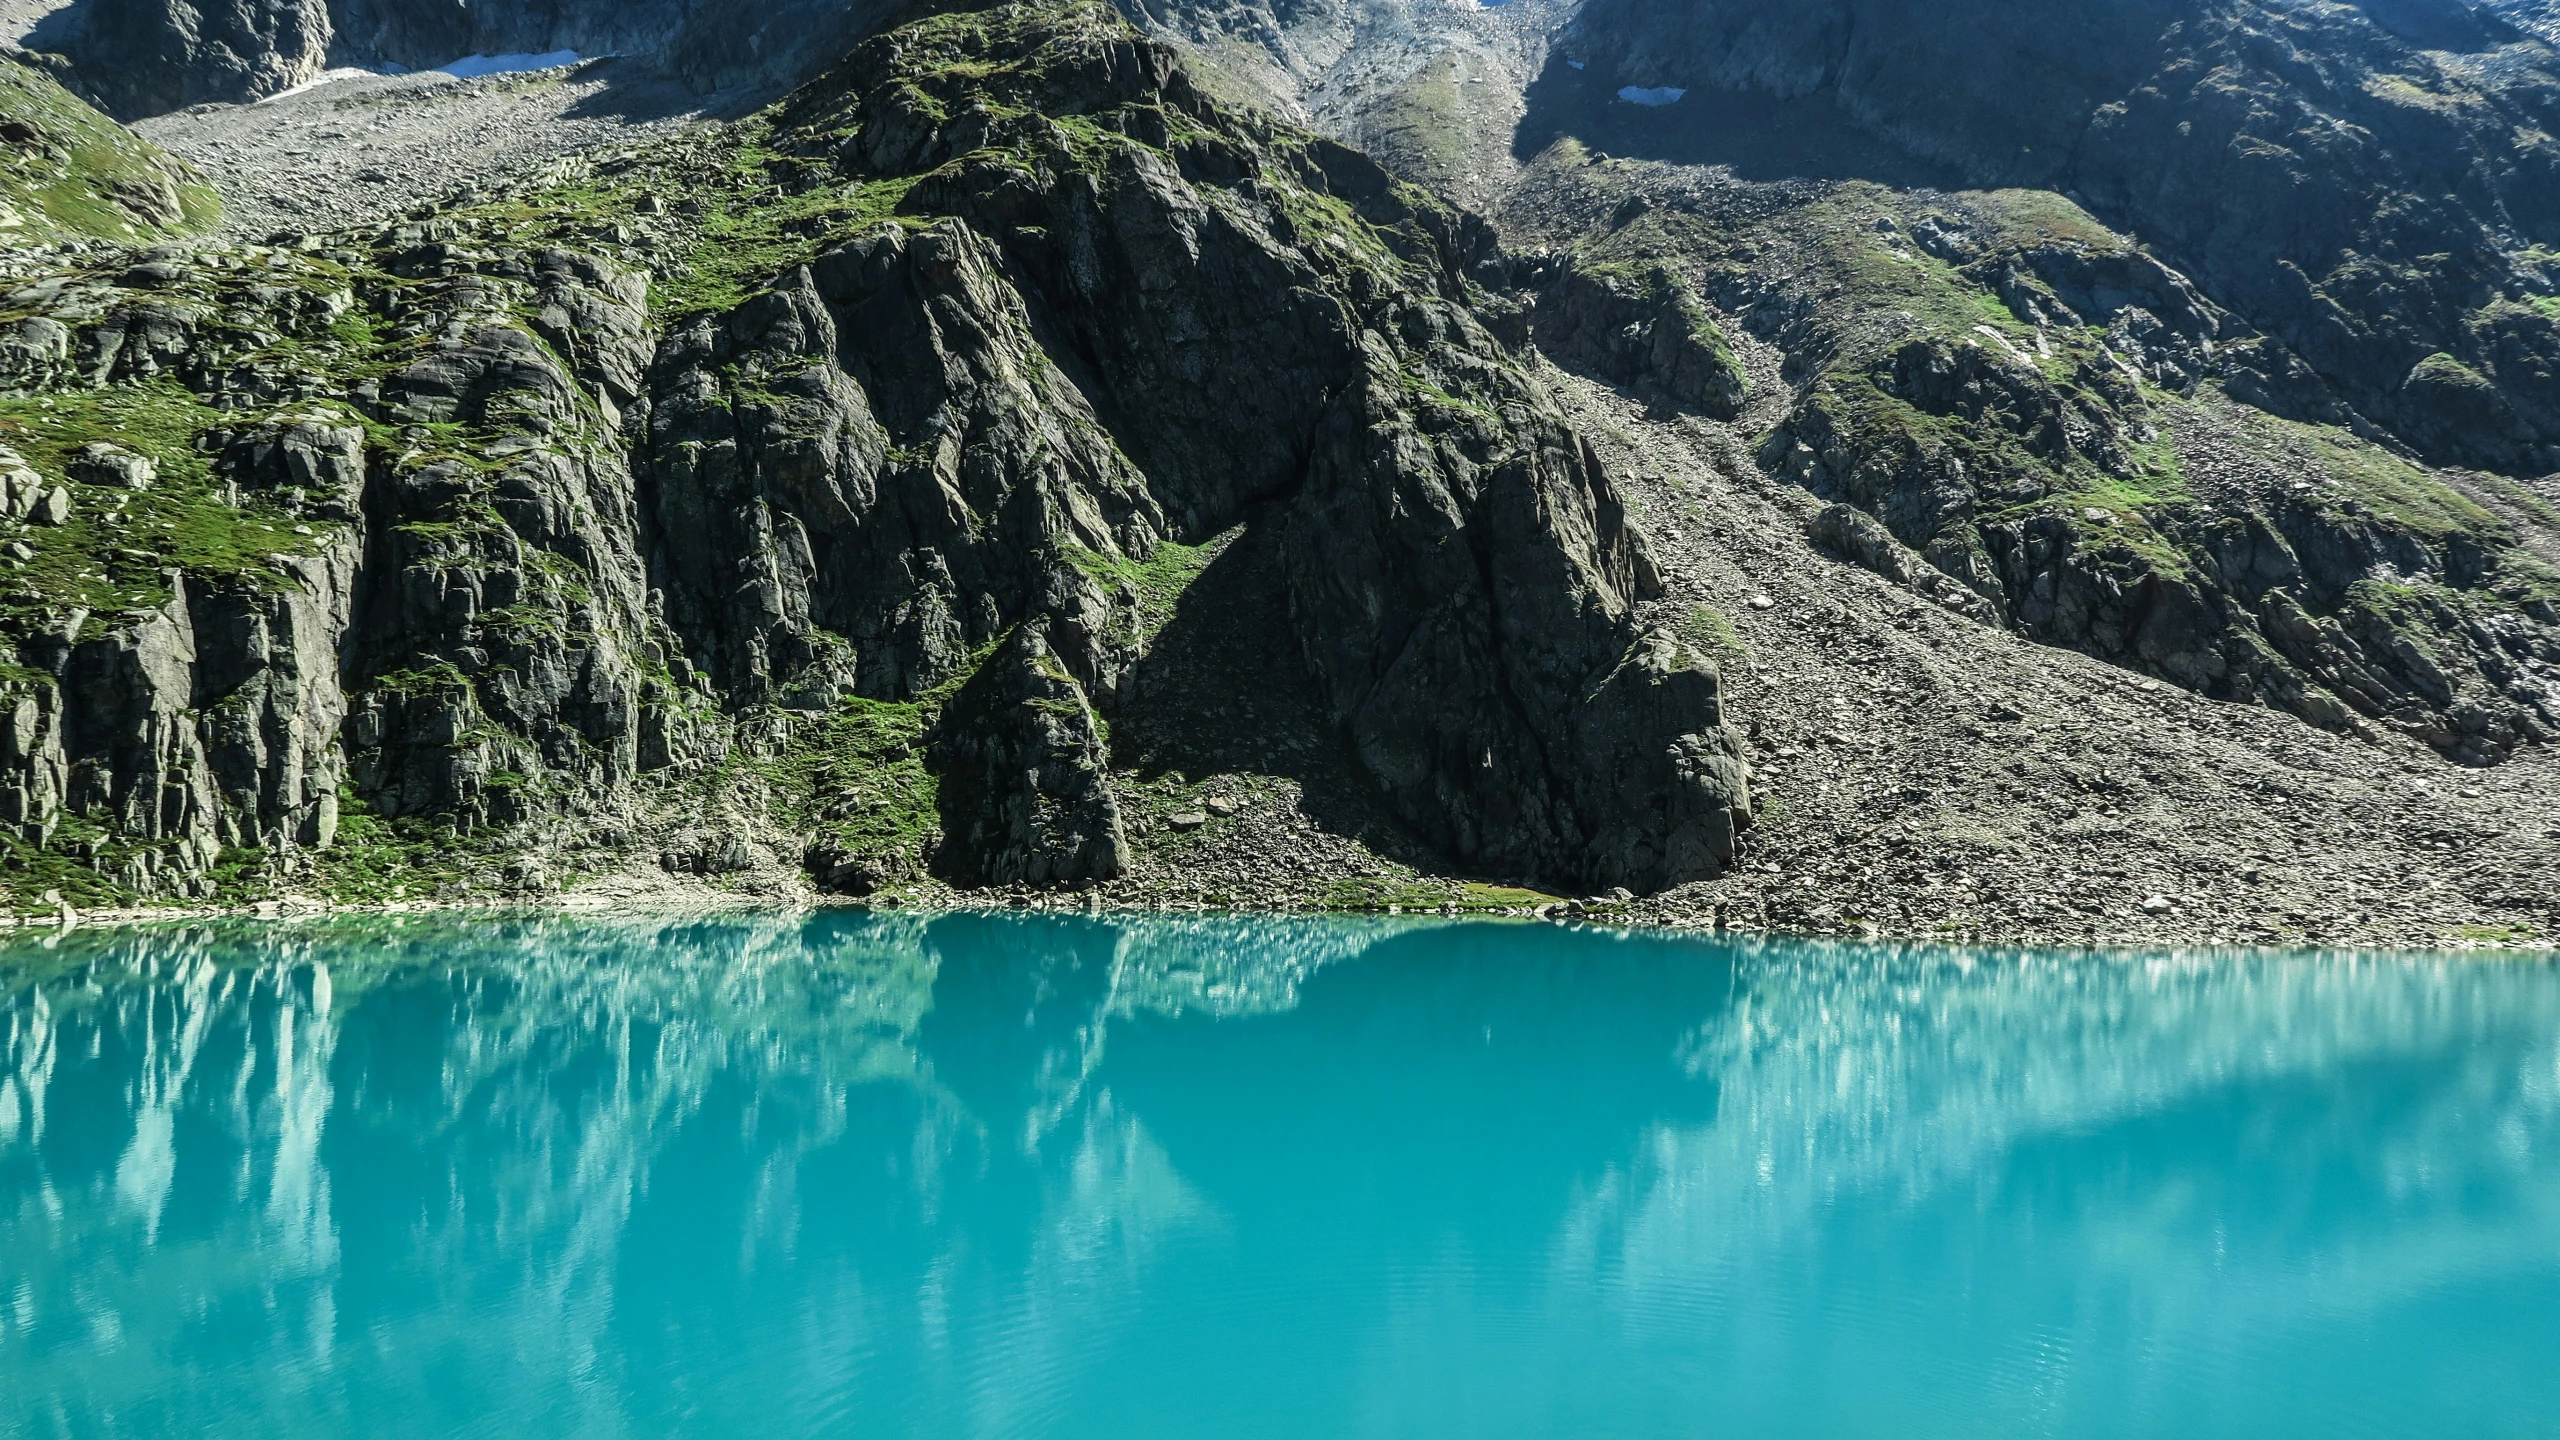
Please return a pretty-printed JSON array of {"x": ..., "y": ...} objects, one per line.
[
  {"x": 2374, "y": 187},
  {"x": 1025, "y": 458},
  {"x": 2536, "y": 17},
  {"x": 150, "y": 57},
  {"x": 67, "y": 173},
  {"x": 2030, "y": 419},
  {"x": 843, "y": 497}
]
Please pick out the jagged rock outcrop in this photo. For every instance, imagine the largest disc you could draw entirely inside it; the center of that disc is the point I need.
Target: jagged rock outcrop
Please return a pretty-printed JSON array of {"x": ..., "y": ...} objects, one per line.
[
  {"x": 1853, "y": 535},
  {"x": 1641, "y": 327},
  {"x": 1024, "y": 796},
  {"x": 149, "y": 57},
  {"x": 505, "y": 630},
  {"x": 468, "y": 569},
  {"x": 2365, "y": 184},
  {"x": 997, "y": 313},
  {"x": 900, "y": 472}
]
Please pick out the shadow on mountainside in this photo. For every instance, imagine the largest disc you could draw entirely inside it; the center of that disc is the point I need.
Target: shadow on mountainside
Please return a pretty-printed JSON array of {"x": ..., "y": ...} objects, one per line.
[
  {"x": 643, "y": 91},
  {"x": 1758, "y": 137},
  {"x": 1224, "y": 690}
]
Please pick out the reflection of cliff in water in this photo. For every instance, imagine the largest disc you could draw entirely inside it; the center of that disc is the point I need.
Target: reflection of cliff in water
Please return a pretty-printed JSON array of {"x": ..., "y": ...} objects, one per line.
[
  {"x": 1903, "y": 1070},
  {"x": 239, "y": 1118},
  {"x": 230, "y": 1119},
  {"x": 2240, "y": 1155},
  {"x": 947, "y": 1150}
]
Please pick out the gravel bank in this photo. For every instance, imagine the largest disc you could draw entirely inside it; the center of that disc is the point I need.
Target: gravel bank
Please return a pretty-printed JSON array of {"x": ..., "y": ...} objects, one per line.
[{"x": 363, "y": 148}]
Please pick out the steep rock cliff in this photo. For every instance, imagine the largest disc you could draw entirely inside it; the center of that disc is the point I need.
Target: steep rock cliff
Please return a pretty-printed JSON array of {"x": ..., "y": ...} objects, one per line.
[
  {"x": 825, "y": 502},
  {"x": 148, "y": 57}
]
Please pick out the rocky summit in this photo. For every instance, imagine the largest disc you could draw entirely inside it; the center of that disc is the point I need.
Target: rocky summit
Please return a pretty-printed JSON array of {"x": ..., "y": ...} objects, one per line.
[{"x": 1677, "y": 460}]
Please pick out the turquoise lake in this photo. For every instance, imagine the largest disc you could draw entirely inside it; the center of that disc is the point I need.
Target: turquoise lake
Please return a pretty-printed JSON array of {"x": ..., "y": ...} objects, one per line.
[{"x": 995, "y": 1175}]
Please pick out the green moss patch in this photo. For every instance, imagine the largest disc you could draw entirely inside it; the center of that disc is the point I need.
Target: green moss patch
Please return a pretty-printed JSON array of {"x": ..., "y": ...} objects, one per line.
[
  {"x": 115, "y": 550},
  {"x": 1471, "y": 897},
  {"x": 2518, "y": 935},
  {"x": 74, "y": 864},
  {"x": 1159, "y": 581},
  {"x": 374, "y": 862},
  {"x": 66, "y": 170},
  {"x": 859, "y": 785},
  {"x": 2375, "y": 478},
  {"x": 1707, "y": 628},
  {"x": 746, "y": 243},
  {"x": 855, "y": 779}
]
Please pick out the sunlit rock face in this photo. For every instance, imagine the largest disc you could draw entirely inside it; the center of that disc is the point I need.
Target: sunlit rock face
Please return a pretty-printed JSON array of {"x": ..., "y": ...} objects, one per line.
[
  {"x": 646, "y": 506},
  {"x": 808, "y": 1166}
]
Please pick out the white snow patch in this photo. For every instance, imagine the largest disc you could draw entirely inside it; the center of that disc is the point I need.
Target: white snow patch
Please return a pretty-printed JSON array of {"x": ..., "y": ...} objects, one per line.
[
  {"x": 325, "y": 77},
  {"x": 1657, "y": 95},
  {"x": 472, "y": 67}
]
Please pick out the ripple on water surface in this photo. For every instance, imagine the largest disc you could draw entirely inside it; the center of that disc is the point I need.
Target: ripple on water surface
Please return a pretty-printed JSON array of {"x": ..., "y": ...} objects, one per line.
[{"x": 1036, "y": 1176}]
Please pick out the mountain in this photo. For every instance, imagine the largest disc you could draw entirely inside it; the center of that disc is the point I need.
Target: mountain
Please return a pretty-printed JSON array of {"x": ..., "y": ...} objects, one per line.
[
  {"x": 2368, "y": 186},
  {"x": 1357, "y": 451},
  {"x": 857, "y": 480}
]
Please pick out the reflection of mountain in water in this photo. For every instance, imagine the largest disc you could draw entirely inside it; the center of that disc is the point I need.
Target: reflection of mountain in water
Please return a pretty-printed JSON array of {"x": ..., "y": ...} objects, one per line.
[
  {"x": 250, "y": 1118},
  {"x": 791, "y": 1170},
  {"x": 2243, "y": 1156},
  {"x": 518, "y": 1113}
]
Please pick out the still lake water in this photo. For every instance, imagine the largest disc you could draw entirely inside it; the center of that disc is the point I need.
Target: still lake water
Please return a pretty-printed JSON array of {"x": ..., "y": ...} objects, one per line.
[{"x": 980, "y": 1175}]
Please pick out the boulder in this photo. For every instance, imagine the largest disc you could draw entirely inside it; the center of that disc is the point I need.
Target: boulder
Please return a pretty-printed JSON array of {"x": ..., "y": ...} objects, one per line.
[
  {"x": 1024, "y": 792},
  {"x": 99, "y": 463}
]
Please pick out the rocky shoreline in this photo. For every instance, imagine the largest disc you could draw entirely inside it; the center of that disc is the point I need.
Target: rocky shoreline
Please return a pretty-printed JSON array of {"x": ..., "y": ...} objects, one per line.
[{"x": 1599, "y": 913}]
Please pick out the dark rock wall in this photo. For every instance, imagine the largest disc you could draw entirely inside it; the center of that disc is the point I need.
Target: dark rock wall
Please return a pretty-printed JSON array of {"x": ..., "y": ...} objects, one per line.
[
  {"x": 2363, "y": 185},
  {"x": 1025, "y": 799},
  {"x": 149, "y": 57},
  {"x": 210, "y": 722},
  {"x": 897, "y": 466}
]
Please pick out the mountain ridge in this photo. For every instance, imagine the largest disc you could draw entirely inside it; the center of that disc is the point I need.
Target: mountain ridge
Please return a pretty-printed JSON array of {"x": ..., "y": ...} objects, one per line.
[
  {"x": 870, "y": 496},
  {"x": 954, "y": 342}
]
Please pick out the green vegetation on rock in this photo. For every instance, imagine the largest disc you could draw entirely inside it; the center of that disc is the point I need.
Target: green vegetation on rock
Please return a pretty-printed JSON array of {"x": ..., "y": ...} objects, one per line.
[
  {"x": 67, "y": 171},
  {"x": 747, "y": 237},
  {"x": 1420, "y": 893},
  {"x": 1708, "y": 628},
  {"x": 1158, "y": 581},
  {"x": 115, "y": 550}
]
